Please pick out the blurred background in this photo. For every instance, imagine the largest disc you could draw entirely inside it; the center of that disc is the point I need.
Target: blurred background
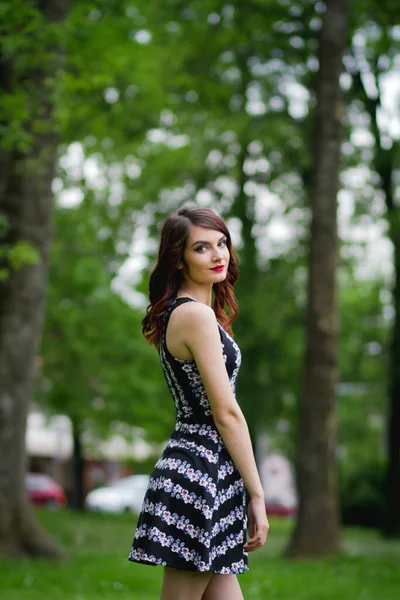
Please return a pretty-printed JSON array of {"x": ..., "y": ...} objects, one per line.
[{"x": 141, "y": 107}]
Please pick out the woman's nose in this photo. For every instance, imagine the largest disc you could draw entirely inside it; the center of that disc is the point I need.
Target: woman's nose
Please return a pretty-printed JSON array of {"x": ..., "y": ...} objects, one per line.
[{"x": 218, "y": 254}]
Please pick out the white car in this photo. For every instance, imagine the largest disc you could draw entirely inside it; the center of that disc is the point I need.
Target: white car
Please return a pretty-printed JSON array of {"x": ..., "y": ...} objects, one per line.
[{"x": 126, "y": 495}]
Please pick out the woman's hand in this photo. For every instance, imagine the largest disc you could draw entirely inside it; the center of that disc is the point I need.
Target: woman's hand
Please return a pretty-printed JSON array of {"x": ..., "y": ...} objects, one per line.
[{"x": 258, "y": 525}]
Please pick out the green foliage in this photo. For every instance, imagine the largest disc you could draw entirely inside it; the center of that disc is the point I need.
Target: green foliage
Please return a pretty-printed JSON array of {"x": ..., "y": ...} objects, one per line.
[
  {"x": 270, "y": 333},
  {"x": 362, "y": 494},
  {"x": 96, "y": 366},
  {"x": 361, "y": 393},
  {"x": 214, "y": 67},
  {"x": 363, "y": 366},
  {"x": 17, "y": 256},
  {"x": 22, "y": 254},
  {"x": 179, "y": 101},
  {"x": 29, "y": 43},
  {"x": 221, "y": 66},
  {"x": 111, "y": 93}
]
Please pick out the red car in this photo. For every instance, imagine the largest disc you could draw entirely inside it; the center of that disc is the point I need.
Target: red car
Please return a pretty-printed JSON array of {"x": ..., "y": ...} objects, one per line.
[
  {"x": 275, "y": 507},
  {"x": 44, "y": 491},
  {"x": 279, "y": 510}
]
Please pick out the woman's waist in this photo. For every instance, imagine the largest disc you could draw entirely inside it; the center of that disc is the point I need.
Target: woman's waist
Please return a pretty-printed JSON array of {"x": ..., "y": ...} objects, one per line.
[{"x": 198, "y": 431}]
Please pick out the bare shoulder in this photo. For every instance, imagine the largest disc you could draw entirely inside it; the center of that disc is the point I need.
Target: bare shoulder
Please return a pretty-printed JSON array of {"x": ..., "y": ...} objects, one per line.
[
  {"x": 190, "y": 325},
  {"x": 194, "y": 314},
  {"x": 197, "y": 310}
]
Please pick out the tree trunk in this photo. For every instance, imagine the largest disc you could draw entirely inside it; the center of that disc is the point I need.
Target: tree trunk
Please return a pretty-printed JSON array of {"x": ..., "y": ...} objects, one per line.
[
  {"x": 391, "y": 525},
  {"x": 317, "y": 527},
  {"x": 26, "y": 206},
  {"x": 247, "y": 385},
  {"x": 384, "y": 164},
  {"x": 77, "y": 495},
  {"x": 244, "y": 209}
]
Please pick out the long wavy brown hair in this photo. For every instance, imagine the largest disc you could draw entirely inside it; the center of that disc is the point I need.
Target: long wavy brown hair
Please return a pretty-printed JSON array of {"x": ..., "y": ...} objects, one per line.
[{"x": 166, "y": 278}]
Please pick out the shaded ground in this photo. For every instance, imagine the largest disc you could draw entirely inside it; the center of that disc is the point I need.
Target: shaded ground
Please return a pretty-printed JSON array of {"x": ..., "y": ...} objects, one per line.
[{"x": 97, "y": 568}]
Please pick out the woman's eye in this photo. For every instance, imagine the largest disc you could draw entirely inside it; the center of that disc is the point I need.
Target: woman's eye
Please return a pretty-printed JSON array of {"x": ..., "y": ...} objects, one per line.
[{"x": 201, "y": 249}]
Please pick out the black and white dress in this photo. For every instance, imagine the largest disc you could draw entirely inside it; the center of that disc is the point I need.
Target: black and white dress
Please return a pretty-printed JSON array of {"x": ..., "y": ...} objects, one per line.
[{"x": 194, "y": 512}]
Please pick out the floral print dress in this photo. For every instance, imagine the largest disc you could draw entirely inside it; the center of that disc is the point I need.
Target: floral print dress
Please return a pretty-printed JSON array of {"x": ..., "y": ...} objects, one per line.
[{"x": 194, "y": 511}]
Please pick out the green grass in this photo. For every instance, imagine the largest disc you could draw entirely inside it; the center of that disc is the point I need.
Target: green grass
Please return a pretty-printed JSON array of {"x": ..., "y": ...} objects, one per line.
[{"x": 97, "y": 567}]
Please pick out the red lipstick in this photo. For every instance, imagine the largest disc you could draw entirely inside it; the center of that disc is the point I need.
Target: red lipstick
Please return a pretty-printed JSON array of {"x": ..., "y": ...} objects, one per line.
[{"x": 218, "y": 269}]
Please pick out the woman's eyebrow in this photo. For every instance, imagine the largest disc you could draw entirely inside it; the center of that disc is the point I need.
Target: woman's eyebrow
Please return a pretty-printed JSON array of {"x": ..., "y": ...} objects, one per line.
[{"x": 204, "y": 242}]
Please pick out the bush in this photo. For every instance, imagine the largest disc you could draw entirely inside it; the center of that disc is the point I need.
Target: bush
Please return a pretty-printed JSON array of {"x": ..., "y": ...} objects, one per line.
[{"x": 362, "y": 495}]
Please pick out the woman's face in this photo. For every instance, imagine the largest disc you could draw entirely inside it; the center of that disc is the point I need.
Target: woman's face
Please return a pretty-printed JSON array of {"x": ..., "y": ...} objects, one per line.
[{"x": 206, "y": 256}]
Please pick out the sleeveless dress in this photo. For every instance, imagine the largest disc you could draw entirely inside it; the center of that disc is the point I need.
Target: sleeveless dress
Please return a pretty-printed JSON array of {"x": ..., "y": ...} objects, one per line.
[{"x": 194, "y": 511}]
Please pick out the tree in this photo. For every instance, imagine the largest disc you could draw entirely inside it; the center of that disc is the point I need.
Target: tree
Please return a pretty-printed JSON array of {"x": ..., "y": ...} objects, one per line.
[
  {"x": 363, "y": 362},
  {"x": 242, "y": 144},
  {"x": 47, "y": 95},
  {"x": 29, "y": 62},
  {"x": 371, "y": 61},
  {"x": 317, "y": 527},
  {"x": 95, "y": 363}
]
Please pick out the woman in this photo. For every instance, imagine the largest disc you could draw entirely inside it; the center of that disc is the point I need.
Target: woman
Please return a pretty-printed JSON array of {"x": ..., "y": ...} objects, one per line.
[{"x": 193, "y": 520}]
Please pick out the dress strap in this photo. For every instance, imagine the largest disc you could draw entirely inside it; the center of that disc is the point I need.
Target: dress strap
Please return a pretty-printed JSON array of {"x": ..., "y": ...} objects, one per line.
[{"x": 174, "y": 304}]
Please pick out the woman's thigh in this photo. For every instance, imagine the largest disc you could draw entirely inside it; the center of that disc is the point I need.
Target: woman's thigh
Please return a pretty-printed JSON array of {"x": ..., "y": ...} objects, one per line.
[
  {"x": 184, "y": 585},
  {"x": 223, "y": 587}
]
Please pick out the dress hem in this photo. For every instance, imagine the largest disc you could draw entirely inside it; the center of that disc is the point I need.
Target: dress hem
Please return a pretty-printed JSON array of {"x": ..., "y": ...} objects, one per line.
[{"x": 173, "y": 566}]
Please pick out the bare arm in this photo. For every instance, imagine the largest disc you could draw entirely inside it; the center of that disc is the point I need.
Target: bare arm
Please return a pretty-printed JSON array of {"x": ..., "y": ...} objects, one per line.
[{"x": 203, "y": 340}]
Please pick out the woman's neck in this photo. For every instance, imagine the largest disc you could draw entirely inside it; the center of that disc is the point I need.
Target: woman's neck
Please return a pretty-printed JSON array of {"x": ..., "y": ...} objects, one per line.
[{"x": 200, "y": 294}]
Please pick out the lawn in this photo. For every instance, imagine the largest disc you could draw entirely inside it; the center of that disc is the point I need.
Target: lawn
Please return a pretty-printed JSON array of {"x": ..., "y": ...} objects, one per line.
[{"x": 97, "y": 567}]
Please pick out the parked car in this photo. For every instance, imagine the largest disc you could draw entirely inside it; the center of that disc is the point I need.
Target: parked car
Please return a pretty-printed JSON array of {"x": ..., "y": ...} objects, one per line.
[
  {"x": 43, "y": 490},
  {"x": 276, "y": 507},
  {"x": 126, "y": 495}
]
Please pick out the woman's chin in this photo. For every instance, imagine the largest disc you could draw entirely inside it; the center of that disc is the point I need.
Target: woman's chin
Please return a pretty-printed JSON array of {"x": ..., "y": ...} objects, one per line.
[{"x": 218, "y": 277}]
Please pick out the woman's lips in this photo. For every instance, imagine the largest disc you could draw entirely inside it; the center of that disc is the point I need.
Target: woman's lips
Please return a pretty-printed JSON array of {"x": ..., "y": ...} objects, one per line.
[{"x": 218, "y": 269}]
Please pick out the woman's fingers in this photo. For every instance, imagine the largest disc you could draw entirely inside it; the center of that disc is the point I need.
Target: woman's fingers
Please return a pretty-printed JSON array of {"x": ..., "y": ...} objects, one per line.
[
  {"x": 258, "y": 525},
  {"x": 258, "y": 540},
  {"x": 252, "y": 527},
  {"x": 253, "y": 544}
]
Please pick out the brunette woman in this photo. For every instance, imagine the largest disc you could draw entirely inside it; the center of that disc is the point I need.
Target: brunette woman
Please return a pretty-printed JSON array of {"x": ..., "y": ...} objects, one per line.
[{"x": 193, "y": 520}]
